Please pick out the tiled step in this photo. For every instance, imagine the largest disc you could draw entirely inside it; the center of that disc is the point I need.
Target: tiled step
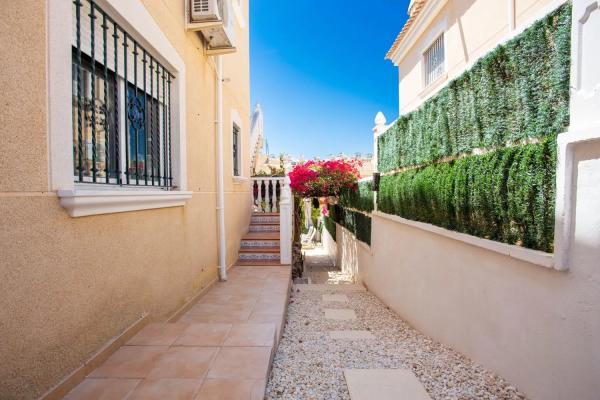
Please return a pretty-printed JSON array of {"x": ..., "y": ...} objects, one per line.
[
  {"x": 258, "y": 243},
  {"x": 261, "y": 236},
  {"x": 260, "y": 249},
  {"x": 256, "y": 256},
  {"x": 258, "y": 219},
  {"x": 258, "y": 263},
  {"x": 264, "y": 228}
]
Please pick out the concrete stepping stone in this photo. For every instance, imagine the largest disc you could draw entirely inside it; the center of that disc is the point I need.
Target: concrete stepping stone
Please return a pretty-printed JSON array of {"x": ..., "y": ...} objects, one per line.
[
  {"x": 384, "y": 384},
  {"x": 339, "y": 313},
  {"x": 324, "y": 287},
  {"x": 351, "y": 335},
  {"x": 342, "y": 298}
]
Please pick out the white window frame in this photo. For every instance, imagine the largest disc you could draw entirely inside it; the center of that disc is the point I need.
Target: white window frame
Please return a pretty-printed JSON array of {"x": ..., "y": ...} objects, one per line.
[
  {"x": 82, "y": 199},
  {"x": 428, "y": 48},
  {"x": 236, "y": 120}
]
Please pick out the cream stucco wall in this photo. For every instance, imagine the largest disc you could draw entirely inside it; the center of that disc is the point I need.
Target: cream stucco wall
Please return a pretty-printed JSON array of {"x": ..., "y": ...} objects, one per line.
[
  {"x": 471, "y": 29},
  {"x": 68, "y": 285}
]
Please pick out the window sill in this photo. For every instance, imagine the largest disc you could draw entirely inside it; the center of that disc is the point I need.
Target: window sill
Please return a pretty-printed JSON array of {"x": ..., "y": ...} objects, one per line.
[
  {"x": 433, "y": 85},
  {"x": 239, "y": 179},
  {"x": 520, "y": 253},
  {"x": 81, "y": 202}
]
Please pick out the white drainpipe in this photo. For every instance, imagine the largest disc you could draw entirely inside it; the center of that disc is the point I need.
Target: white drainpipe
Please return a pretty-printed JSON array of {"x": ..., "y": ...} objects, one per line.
[{"x": 220, "y": 185}]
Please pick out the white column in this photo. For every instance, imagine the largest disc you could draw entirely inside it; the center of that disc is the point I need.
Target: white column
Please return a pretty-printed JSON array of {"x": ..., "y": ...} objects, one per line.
[
  {"x": 286, "y": 208},
  {"x": 584, "y": 127},
  {"x": 378, "y": 129}
]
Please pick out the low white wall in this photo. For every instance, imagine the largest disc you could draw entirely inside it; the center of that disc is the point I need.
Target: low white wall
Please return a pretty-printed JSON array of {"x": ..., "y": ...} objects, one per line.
[
  {"x": 353, "y": 256},
  {"x": 329, "y": 245},
  {"x": 537, "y": 327}
]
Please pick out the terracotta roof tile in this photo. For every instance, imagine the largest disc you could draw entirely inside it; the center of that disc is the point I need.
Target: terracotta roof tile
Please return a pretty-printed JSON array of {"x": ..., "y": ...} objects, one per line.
[{"x": 417, "y": 7}]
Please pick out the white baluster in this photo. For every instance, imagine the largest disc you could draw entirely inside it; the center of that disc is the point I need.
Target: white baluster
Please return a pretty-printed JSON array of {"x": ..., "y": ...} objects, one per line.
[
  {"x": 274, "y": 208},
  {"x": 267, "y": 203},
  {"x": 259, "y": 182}
]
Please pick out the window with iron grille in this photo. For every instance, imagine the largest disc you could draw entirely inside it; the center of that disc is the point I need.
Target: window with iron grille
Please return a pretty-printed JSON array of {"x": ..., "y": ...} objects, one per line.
[
  {"x": 121, "y": 105},
  {"x": 235, "y": 143},
  {"x": 434, "y": 60}
]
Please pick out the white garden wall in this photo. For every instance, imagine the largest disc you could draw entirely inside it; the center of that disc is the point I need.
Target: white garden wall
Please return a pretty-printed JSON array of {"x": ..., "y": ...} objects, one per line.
[
  {"x": 538, "y": 327},
  {"x": 353, "y": 256}
]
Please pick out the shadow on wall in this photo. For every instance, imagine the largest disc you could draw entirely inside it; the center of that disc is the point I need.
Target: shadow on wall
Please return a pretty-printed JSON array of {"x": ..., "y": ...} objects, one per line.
[{"x": 353, "y": 256}]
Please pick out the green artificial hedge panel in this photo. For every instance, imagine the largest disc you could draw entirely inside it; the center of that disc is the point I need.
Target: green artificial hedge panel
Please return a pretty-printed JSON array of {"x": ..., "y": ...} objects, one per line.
[
  {"x": 329, "y": 224},
  {"x": 360, "y": 199},
  {"x": 519, "y": 90},
  {"x": 356, "y": 222},
  {"x": 506, "y": 195}
]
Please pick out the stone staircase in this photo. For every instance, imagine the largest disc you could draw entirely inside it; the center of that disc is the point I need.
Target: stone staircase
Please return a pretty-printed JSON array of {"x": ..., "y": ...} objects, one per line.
[{"x": 260, "y": 246}]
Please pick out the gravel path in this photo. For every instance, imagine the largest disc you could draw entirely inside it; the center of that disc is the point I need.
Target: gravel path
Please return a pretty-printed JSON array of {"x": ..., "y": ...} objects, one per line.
[{"x": 309, "y": 364}]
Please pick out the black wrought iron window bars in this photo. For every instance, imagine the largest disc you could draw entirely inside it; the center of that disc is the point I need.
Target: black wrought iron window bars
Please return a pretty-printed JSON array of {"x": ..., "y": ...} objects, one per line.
[{"x": 121, "y": 105}]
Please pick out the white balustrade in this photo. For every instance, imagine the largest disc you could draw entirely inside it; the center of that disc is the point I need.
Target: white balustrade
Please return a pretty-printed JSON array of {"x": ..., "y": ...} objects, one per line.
[{"x": 269, "y": 196}]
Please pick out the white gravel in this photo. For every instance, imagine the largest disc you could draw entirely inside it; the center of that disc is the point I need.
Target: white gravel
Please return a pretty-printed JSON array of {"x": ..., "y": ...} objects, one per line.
[{"x": 309, "y": 364}]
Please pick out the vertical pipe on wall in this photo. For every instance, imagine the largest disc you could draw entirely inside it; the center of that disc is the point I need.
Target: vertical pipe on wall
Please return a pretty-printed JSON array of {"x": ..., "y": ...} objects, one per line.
[
  {"x": 511, "y": 15},
  {"x": 220, "y": 184}
]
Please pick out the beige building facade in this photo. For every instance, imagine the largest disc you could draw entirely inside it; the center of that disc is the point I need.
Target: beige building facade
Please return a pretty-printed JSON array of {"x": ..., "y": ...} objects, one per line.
[
  {"x": 467, "y": 30},
  {"x": 83, "y": 261}
]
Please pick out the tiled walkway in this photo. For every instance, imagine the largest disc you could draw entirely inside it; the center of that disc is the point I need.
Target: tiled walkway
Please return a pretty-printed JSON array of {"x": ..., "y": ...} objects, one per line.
[{"x": 222, "y": 348}]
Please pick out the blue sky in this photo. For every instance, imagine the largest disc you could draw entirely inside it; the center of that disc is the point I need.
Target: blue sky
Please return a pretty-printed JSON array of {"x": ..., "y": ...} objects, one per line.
[{"x": 317, "y": 69}]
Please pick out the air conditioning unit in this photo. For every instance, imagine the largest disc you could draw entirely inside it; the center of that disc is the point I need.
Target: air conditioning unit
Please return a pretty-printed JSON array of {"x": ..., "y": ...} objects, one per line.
[
  {"x": 204, "y": 10},
  {"x": 218, "y": 33}
]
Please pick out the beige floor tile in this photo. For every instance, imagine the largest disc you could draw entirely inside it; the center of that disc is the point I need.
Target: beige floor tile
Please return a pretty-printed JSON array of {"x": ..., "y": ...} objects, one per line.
[
  {"x": 342, "y": 298},
  {"x": 129, "y": 362},
  {"x": 269, "y": 306},
  {"x": 223, "y": 313},
  {"x": 384, "y": 384},
  {"x": 183, "y": 362},
  {"x": 203, "y": 334},
  {"x": 158, "y": 334},
  {"x": 232, "y": 389},
  {"x": 251, "y": 335},
  {"x": 103, "y": 389},
  {"x": 240, "y": 363},
  {"x": 262, "y": 317},
  {"x": 351, "y": 335},
  {"x": 167, "y": 389},
  {"x": 215, "y": 297},
  {"x": 339, "y": 313}
]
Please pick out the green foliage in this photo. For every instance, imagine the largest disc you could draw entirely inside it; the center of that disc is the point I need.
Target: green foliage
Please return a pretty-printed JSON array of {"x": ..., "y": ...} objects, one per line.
[
  {"x": 519, "y": 90},
  {"x": 361, "y": 198},
  {"x": 506, "y": 195},
  {"x": 356, "y": 222}
]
